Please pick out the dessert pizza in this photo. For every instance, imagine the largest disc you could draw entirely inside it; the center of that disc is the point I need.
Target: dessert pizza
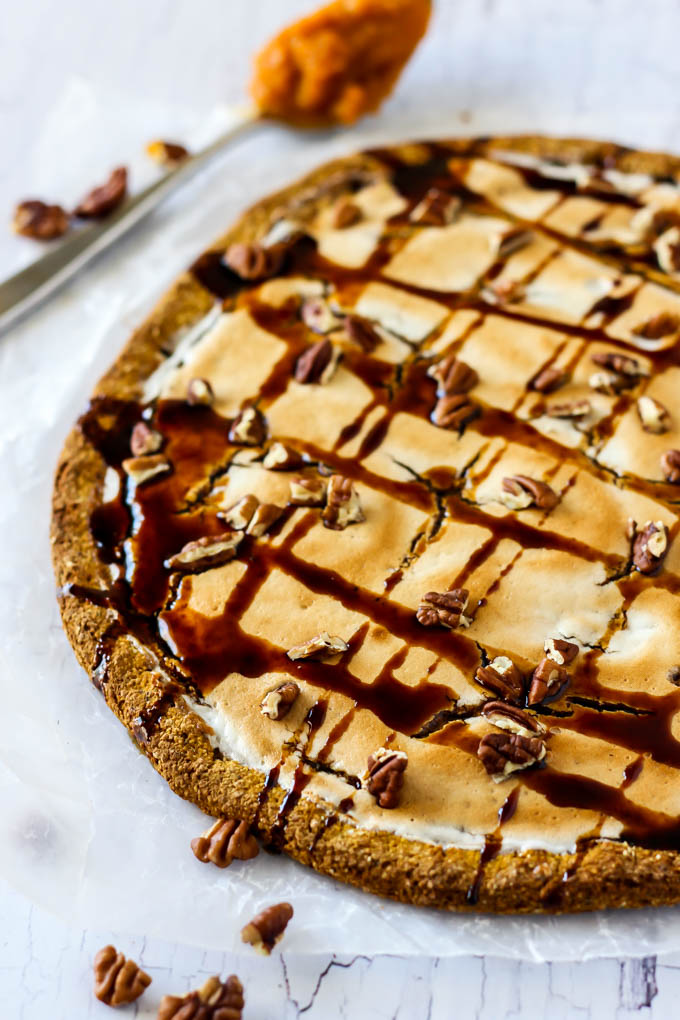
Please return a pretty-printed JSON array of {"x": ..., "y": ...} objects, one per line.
[{"x": 370, "y": 535}]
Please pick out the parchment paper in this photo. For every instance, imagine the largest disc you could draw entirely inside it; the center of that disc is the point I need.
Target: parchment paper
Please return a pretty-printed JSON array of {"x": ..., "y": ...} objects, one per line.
[{"x": 89, "y": 830}]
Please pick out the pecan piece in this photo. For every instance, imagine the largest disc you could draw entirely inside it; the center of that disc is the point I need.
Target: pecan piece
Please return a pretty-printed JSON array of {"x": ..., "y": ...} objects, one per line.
[
  {"x": 443, "y": 609},
  {"x": 345, "y": 214},
  {"x": 278, "y": 702},
  {"x": 40, "y": 221},
  {"x": 546, "y": 680},
  {"x": 141, "y": 469},
  {"x": 216, "y": 1000},
  {"x": 103, "y": 200},
  {"x": 265, "y": 515},
  {"x": 240, "y": 514},
  {"x": 511, "y": 718},
  {"x": 549, "y": 379},
  {"x": 322, "y": 646},
  {"x": 248, "y": 428},
  {"x": 453, "y": 376},
  {"x": 200, "y": 392},
  {"x": 363, "y": 333},
  {"x": 318, "y": 317},
  {"x": 560, "y": 651},
  {"x": 502, "y": 677},
  {"x": 342, "y": 504},
  {"x": 650, "y": 545},
  {"x": 144, "y": 440},
  {"x": 610, "y": 383},
  {"x": 659, "y": 326},
  {"x": 280, "y": 457},
  {"x": 670, "y": 465},
  {"x": 307, "y": 491},
  {"x": 514, "y": 240},
  {"x": 267, "y": 928},
  {"x": 436, "y": 209},
  {"x": 622, "y": 364},
  {"x": 453, "y": 411},
  {"x": 520, "y": 492},
  {"x": 226, "y": 839},
  {"x": 501, "y": 292},
  {"x": 654, "y": 417},
  {"x": 205, "y": 553},
  {"x": 317, "y": 364},
  {"x": 117, "y": 980},
  {"x": 253, "y": 261},
  {"x": 385, "y": 777},
  {"x": 570, "y": 409},
  {"x": 667, "y": 249},
  {"x": 502, "y": 754},
  {"x": 168, "y": 154}
]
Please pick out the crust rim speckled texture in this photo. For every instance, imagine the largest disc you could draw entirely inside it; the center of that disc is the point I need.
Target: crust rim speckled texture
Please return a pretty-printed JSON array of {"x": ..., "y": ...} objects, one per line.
[{"x": 606, "y": 874}]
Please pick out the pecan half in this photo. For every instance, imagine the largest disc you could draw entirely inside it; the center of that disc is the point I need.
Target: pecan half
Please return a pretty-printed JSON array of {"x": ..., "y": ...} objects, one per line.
[
  {"x": 610, "y": 383},
  {"x": 570, "y": 409},
  {"x": 226, "y": 839},
  {"x": 560, "y": 651},
  {"x": 103, "y": 200},
  {"x": 363, "y": 333},
  {"x": 650, "y": 545},
  {"x": 240, "y": 514},
  {"x": 40, "y": 221},
  {"x": 278, "y": 702},
  {"x": 453, "y": 411},
  {"x": 141, "y": 469},
  {"x": 453, "y": 376},
  {"x": 144, "y": 440},
  {"x": 546, "y": 680},
  {"x": 502, "y": 677},
  {"x": 267, "y": 928},
  {"x": 502, "y": 754},
  {"x": 443, "y": 609},
  {"x": 253, "y": 261},
  {"x": 511, "y": 718},
  {"x": 307, "y": 491},
  {"x": 385, "y": 777},
  {"x": 317, "y": 364},
  {"x": 520, "y": 492},
  {"x": 205, "y": 553},
  {"x": 280, "y": 457},
  {"x": 670, "y": 465},
  {"x": 216, "y": 1000},
  {"x": 318, "y": 317},
  {"x": 248, "y": 428},
  {"x": 117, "y": 980},
  {"x": 622, "y": 364},
  {"x": 321, "y": 646},
  {"x": 659, "y": 326},
  {"x": 168, "y": 154},
  {"x": 654, "y": 417},
  {"x": 342, "y": 504},
  {"x": 437, "y": 208},
  {"x": 547, "y": 380},
  {"x": 200, "y": 392},
  {"x": 345, "y": 214},
  {"x": 265, "y": 515}
]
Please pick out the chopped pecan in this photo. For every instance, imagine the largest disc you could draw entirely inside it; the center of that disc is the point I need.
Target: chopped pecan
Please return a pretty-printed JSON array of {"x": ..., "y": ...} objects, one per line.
[
  {"x": 141, "y": 469},
  {"x": 385, "y": 777},
  {"x": 502, "y": 677},
  {"x": 317, "y": 364},
  {"x": 306, "y": 490},
  {"x": 265, "y": 515},
  {"x": 253, "y": 261},
  {"x": 226, "y": 839},
  {"x": 513, "y": 240},
  {"x": 40, "y": 221},
  {"x": 117, "y": 980},
  {"x": 549, "y": 379},
  {"x": 362, "y": 332},
  {"x": 667, "y": 249},
  {"x": 248, "y": 428},
  {"x": 321, "y": 646},
  {"x": 280, "y": 457},
  {"x": 501, "y": 292},
  {"x": 267, "y": 928},
  {"x": 144, "y": 440},
  {"x": 200, "y": 392},
  {"x": 654, "y": 417},
  {"x": 660, "y": 325},
  {"x": 205, "y": 553},
  {"x": 502, "y": 754},
  {"x": 453, "y": 411},
  {"x": 560, "y": 651},
  {"x": 650, "y": 545},
  {"x": 240, "y": 514},
  {"x": 511, "y": 718},
  {"x": 169, "y": 154},
  {"x": 278, "y": 702},
  {"x": 443, "y": 609},
  {"x": 453, "y": 376},
  {"x": 345, "y": 214},
  {"x": 570, "y": 409},
  {"x": 318, "y": 317},
  {"x": 670, "y": 465},
  {"x": 103, "y": 200},
  {"x": 520, "y": 492},
  {"x": 610, "y": 383},
  {"x": 436, "y": 209},
  {"x": 546, "y": 680},
  {"x": 342, "y": 504},
  {"x": 673, "y": 676},
  {"x": 216, "y": 1000},
  {"x": 622, "y": 364}
]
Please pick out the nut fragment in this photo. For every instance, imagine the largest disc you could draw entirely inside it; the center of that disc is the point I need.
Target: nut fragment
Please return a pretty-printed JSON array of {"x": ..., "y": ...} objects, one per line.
[
  {"x": 511, "y": 718},
  {"x": 345, "y": 214},
  {"x": 619, "y": 363},
  {"x": 267, "y": 928},
  {"x": 200, "y": 392},
  {"x": 40, "y": 221},
  {"x": 609, "y": 383},
  {"x": 546, "y": 680},
  {"x": 670, "y": 465},
  {"x": 549, "y": 379},
  {"x": 253, "y": 261},
  {"x": 654, "y": 417},
  {"x": 205, "y": 553},
  {"x": 321, "y": 646},
  {"x": 317, "y": 364},
  {"x": 216, "y": 1000},
  {"x": 513, "y": 240},
  {"x": 117, "y": 980},
  {"x": 502, "y": 677},
  {"x": 502, "y": 754},
  {"x": 141, "y": 469},
  {"x": 318, "y": 317},
  {"x": 280, "y": 457},
  {"x": 144, "y": 440},
  {"x": 454, "y": 411},
  {"x": 443, "y": 609},
  {"x": 226, "y": 839},
  {"x": 560, "y": 651},
  {"x": 362, "y": 332},
  {"x": 307, "y": 490},
  {"x": 436, "y": 209},
  {"x": 342, "y": 504},
  {"x": 453, "y": 376},
  {"x": 240, "y": 514},
  {"x": 385, "y": 777},
  {"x": 168, "y": 154},
  {"x": 667, "y": 249},
  {"x": 659, "y": 326},
  {"x": 501, "y": 292},
  {"x": 570, "y": 409},
  {"x": 650, "y": 544},
  {"x": 278, "y": 702},
  {"x": 265, "y": 515},
  {"x": 520, "y": 492},
  {"x": 103, "y": 200},
  {"x": 248, "y": 428}
]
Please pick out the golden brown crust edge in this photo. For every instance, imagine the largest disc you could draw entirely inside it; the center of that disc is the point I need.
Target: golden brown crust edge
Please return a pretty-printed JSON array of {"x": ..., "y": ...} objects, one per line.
[{"x": 606, "y": 874}]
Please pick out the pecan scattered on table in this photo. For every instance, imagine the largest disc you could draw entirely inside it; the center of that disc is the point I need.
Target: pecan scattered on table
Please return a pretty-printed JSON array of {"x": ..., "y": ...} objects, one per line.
[
  {"x": 267, "y": 928},
  {"x": 40, "y": 221},
  {"x": 168, "y": 154},
  {"x": 106, "y": 198},
  {"x": 216, "y": 1000},
  {"x": 226, "y": 839},
  {"x": 117, "y": 980}
]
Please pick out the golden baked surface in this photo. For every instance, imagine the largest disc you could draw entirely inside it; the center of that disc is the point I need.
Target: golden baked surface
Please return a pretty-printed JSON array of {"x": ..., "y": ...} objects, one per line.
[{"x": 370, "y": 535}]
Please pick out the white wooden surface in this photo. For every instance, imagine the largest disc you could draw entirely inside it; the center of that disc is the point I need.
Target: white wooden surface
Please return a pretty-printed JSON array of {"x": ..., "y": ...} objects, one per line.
[{"x": 607, "y": 68}]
